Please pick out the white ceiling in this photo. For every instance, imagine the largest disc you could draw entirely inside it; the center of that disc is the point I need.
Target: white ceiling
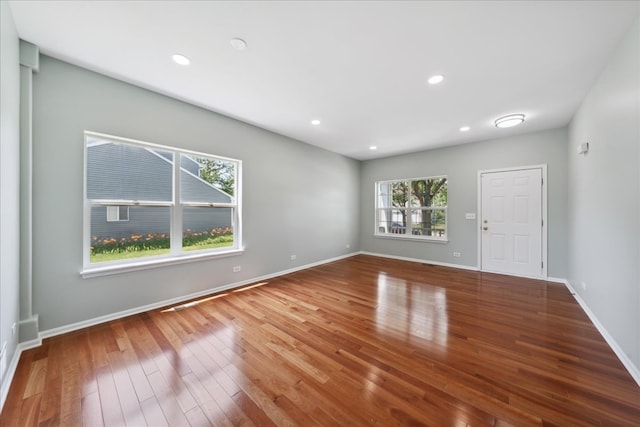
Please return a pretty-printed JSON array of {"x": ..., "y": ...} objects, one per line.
[{"x": 358, "y": 66}]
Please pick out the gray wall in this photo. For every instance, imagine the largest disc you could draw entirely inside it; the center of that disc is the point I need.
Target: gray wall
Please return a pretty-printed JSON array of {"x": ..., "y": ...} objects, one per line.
[
  {"x": 461, "y": 165},
  {"x": 9, "y": 186},
  {"x": 297, "y": 199},
  {"x": 604, "y": 198}
]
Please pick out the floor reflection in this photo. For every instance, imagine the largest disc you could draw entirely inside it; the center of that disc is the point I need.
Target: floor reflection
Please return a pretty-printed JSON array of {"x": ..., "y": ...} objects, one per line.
[{"x": 418, "y": 310}]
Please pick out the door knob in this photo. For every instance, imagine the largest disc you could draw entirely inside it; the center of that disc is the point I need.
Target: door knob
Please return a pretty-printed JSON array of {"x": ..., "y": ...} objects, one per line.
[{"x": 485, "y": 228}]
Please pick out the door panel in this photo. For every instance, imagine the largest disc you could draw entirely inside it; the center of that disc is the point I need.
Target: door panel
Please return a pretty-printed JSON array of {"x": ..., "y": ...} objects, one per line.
[{"x": 511, "y": 236}]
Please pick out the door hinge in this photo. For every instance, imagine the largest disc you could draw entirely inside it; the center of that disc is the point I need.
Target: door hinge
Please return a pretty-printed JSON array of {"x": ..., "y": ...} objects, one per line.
[
  {"x": 542, "y": 221},
  {"x": 542, "y": 264}
]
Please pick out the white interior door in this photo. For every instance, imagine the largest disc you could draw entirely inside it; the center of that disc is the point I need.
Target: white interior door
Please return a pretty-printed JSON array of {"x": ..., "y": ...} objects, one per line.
[{"x": 511, "y": 222}]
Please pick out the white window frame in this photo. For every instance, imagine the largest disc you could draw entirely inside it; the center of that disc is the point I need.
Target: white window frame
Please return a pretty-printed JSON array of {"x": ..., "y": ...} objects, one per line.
[
  {"x": 408, "y": 234},
  {"x": 176, "y": 255}
]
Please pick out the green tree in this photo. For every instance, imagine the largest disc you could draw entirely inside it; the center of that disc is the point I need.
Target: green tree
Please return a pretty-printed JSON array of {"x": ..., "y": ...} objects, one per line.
[
  {"x": 400, "y": 199},
  {"x": 218, "y": 173},
  {"x": 426, "y": 193}
]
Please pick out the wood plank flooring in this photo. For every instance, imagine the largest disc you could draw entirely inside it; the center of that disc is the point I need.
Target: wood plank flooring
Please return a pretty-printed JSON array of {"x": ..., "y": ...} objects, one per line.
[{"x": 358, "y": 342}]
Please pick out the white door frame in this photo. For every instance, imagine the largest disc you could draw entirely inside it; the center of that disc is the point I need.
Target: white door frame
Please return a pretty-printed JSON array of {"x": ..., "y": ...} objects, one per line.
[{"x": 543, "y": 169}]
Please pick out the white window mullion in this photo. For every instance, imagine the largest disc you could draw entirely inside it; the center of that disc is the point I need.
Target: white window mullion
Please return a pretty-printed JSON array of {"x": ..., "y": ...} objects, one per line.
[
  {"x": 209, "y": 205},
  {"x": 409, "y": 227},
  {"x": 237, "y": 213},
  {"x": 86, "y": 229},
  {"x": 109, "y": 202},
  {"x": 176, "y": 209}
]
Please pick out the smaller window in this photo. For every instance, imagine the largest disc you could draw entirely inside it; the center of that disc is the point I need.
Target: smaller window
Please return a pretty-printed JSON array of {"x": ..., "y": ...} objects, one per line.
[
  {"x": 117, "y": 213},
  {"x": 412, "y": 208}
]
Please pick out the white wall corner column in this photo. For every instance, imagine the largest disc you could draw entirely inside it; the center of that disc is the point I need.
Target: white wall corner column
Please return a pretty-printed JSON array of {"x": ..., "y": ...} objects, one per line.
[{"x": 29, "y": 63}]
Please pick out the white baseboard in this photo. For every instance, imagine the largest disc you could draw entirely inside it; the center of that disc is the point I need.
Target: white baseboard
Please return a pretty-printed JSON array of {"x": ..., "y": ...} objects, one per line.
[
  {"x": 11, "y": 370},
  {"x": 422, "y": 261},
  {"x": 624, "y": 359},
  {"x": 114, "y": 316}
]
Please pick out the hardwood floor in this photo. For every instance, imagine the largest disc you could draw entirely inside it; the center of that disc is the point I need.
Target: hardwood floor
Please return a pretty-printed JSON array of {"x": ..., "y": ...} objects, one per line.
[{"x": 362, "y": 341}]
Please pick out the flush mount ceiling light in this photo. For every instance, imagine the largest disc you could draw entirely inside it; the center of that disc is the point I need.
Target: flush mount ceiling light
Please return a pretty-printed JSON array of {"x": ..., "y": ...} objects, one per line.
[
  {"x": 180, "y": 59},
  {"x": 434, "y": 80},
  {"x": 509, "y": 121},
  {"x": 315, "y": 122},
  {"x": 464, "y": 128},
  {"x": 238, "y": 44},
  {"x": 373, "y": 147}
]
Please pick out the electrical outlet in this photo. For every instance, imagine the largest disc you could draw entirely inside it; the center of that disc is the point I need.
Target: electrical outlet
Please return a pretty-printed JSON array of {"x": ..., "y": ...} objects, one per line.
[
  {"x": 584, "y": 286},
  {"x": 348, "y": 246},
  {"x": 13, "y": 329},
  {"x": 236, "y": 269},
  {"x": 456, "y": 254},
  {"x": 293, "y": 257}
]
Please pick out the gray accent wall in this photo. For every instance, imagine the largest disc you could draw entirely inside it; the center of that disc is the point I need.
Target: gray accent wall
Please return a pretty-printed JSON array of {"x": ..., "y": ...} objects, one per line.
[
  {"x": 9, "y": 189},
  {"x": 297, "y": 199},
  {"x": 461, "y": 165},
  {"x": 604, "y": 198}
]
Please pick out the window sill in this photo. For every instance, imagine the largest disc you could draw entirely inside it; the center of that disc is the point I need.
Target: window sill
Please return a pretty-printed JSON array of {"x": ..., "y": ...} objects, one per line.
[
  {"x": 154, "y": 263},
  {"x": 413, "y": 238}
]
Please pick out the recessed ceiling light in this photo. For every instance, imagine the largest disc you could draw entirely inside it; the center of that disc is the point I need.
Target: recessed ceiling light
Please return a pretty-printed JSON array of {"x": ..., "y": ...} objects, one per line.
[
  {"x": 509, "y": 121},
  {"x": 373, "y": 147},
  {"x": 315, "y": 122},
  {"x": 180, "y": 59},
  {"x": 238, "y": 44},
  {"x": 434, "y": 80},
  {"x": 464, "y": 128}
]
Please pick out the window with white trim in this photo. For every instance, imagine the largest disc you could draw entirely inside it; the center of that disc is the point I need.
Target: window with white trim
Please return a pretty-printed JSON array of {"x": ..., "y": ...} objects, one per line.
[
  {"x": 147, "y": 202},
  {"x": 117, "y": 213},
  {"x": 412, "y": 208}
]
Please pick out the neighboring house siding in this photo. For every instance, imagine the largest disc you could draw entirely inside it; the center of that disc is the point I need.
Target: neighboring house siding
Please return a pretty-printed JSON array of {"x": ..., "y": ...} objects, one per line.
[
  {"x": 195, "y": 189},
  {"x": 200, "y": 219},
  {"x": 117, "y": 171},
  {"x": 146, "y": 220},
  {"x": 190, "y": 165},
  {"x": 187, "y": 163},
  {"x": 142, "y": 220},
  {"x": 122, "y": 172}
]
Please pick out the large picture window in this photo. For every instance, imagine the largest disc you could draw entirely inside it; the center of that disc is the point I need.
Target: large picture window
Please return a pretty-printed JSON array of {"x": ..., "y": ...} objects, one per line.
[
  {"x": 146, "y": 203},
  {"x": 412, "y": 208}
]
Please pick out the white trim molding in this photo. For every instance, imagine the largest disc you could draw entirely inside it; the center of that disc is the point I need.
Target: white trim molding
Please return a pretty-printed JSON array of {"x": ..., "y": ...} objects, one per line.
[
  {"x": 633, "y": 370},
  {"x": 421, "y": 261},
  {"x": 177, "y": 300},
  {"x": 11, "y": 369}
]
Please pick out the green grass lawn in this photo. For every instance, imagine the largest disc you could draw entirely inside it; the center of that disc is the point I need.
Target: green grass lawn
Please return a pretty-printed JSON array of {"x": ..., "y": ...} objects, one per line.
[
  {"x": 210, "y": 243},
  {"x": 133, "y": 251},
  {"x": 117, "y": 256}
]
